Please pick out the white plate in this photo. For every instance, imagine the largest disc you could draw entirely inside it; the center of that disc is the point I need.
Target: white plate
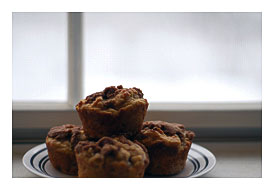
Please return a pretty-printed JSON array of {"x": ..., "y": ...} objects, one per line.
[{"x": 199, "y": 162}]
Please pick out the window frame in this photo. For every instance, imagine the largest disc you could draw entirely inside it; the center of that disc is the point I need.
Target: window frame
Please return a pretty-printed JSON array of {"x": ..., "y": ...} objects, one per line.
[{"x": 236, "y": 117}]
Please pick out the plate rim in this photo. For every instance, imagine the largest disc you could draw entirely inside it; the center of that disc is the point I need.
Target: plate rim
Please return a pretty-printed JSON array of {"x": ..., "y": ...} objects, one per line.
[
  {"x": 210, "y": 155},
  {"x": 33, "y": 150},
  {"x": 26, "y": 160}
]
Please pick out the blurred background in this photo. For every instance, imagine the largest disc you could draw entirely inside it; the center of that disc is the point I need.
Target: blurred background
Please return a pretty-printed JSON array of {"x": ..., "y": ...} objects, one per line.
[{"x": 172, "y": 57}]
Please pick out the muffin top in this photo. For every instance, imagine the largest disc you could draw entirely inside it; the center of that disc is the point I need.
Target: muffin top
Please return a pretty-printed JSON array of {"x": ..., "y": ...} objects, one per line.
[
  {"x": 112, "y": 98},
  {"x": 68, "y": 132},
  {"x": 168, "y": 134},
  {"x": 117, "y": 149}
]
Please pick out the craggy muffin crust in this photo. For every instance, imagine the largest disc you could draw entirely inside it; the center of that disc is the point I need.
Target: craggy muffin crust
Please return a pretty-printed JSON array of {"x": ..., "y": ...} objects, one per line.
[
  {"x": 60, "y": 142},
  {"x": 168, "y": 145},
  {"x": 111, "y": 157},
  {"x": 112, "y": 98},
  {"x": 114, "y": 111}
]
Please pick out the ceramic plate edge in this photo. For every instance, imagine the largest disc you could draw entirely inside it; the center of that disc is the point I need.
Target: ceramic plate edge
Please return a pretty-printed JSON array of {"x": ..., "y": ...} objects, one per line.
[{"x": 26, "y": 161}]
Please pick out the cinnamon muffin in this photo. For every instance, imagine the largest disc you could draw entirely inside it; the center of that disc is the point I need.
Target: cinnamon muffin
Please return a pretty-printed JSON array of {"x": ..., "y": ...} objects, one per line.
[
  {"x": 111, "y": 157},
  {"x": 60, "y": 142},
  {"x": 168, "y": 145},
  {"x": 113, "y": 111}
]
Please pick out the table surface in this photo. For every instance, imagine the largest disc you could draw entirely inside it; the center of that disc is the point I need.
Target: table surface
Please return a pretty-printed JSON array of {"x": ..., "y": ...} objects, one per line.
[{"x": 234, "y": 159}]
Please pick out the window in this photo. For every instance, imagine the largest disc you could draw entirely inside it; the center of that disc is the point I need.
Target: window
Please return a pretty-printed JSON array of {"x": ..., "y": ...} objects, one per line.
[
  {"x": 39, "y": 57},
  {"x": 188, "y": 57},
  {"x": 201, "y": 69}
]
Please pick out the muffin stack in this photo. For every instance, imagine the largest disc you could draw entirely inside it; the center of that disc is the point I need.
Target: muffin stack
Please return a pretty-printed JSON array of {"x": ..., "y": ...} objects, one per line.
[{"x": 113, "y": 140}]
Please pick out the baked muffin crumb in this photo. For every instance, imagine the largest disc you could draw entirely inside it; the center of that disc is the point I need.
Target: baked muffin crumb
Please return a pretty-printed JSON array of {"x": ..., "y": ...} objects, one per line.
[
  {"x": 112, "y": 98},
  {"x": 113, "y": 111},
  {"x": 168, "y": 145},
  {"x": 111, "y": 157},
  {"x": 60, "y": 143}
]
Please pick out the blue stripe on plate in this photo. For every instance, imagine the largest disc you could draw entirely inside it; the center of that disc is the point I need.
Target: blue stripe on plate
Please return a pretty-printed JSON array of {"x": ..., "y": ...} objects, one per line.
[
  {"x": 196, "y": 165},
  {"x": 33, "y": 157},
  {"x": 205, "y": 158},
  {"x": 43, "y": 167},
  {"x": 42, "y": 163}
]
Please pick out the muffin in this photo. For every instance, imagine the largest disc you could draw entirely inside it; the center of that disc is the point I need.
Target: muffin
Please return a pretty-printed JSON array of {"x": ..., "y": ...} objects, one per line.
[
  {"x": 113, "y": 111},
  {"x": 168, "y": 145},
  {"x": 111, "y": 158},
  {"x": 60, "y": 142}
]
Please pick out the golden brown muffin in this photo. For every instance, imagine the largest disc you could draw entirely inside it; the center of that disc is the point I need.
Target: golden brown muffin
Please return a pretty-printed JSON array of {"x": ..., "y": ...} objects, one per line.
[
  {"x": 111, "y": 158},
  {"x": 60, "y": 142},
  {"x": 114, "y": 111},
  {"x": 168, "y": 145}
]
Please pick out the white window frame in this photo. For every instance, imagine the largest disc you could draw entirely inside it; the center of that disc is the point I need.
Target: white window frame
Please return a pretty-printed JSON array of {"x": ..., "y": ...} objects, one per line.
[
  {"x": 74, "y": 73},
  {"x": 43, "y": 115}
]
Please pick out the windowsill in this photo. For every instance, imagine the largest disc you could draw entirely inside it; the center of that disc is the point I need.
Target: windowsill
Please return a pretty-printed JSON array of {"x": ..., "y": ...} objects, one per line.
[
  {"x": 209, "y": 121},
  {"x": 153, "y": 106},
  {"x": 234, "y": 159},
  {"x": 41, "y": 106}
]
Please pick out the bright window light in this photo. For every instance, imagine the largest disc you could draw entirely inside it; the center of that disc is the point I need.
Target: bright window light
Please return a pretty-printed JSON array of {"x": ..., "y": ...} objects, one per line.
[
  {"x": 175, "y": 57},
  {"x": 39, "y": 71}
]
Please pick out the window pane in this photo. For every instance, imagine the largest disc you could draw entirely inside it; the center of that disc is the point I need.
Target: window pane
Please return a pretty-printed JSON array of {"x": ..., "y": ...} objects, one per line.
[
  {"x": 39, "y": 69},
  {"x": 175, "y": 57}
]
